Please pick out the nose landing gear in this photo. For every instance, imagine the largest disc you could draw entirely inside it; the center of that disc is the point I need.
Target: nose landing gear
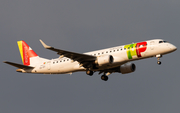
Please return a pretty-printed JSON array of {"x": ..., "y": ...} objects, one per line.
[{"x": 158, "y": 59}]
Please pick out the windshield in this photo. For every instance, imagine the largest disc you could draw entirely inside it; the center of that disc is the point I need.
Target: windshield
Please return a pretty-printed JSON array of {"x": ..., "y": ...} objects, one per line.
[{"x": 162, "y": 41}]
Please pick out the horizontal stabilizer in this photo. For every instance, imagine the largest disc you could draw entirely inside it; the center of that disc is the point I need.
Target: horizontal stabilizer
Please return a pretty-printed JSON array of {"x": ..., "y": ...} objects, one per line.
[{"x": 18, "y": 65}]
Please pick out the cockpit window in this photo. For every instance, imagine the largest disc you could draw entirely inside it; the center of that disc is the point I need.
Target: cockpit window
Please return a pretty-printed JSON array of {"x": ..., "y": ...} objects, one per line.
[{"x": 162, "y": 41}]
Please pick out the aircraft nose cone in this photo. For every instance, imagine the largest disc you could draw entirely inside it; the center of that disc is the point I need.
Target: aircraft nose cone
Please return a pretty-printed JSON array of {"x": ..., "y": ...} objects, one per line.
[{"x": 173, "y": 48}]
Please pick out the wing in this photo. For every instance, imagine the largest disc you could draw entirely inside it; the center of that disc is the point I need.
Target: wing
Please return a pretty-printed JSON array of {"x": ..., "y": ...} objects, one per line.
[
  {"x": 18, "y": 65},
  {"x": 84, "y": 59}
]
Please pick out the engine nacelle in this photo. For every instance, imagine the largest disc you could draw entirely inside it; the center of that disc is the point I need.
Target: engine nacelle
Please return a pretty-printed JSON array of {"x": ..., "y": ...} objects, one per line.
[
  {"x": 127, "y": 68},
  {"x": 104, "y": 60}
]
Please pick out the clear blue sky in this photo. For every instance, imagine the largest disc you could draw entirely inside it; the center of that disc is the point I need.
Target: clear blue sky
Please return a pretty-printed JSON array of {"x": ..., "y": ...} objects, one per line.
[{"x": 82, "y": 26}]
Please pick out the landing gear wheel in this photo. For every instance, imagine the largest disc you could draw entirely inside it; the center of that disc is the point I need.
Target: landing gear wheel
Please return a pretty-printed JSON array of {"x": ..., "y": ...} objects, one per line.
[
  {"x": 104, "y": 77},
  {"x": 89, "y": 72},
  {"x": 159, "y": 62}
]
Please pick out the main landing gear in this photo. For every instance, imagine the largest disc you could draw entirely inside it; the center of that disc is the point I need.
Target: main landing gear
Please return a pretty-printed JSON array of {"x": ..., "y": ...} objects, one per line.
[
  {"x": 158, "y": 59},
  {"x": 104, "y": 77},
  {"x": 89, "y": 72}
]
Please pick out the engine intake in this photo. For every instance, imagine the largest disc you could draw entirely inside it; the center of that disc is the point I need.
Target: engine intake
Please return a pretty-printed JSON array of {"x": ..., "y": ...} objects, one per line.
[
  {"x": 127, "y": 68},
  {"x": 104, "y": 60}
]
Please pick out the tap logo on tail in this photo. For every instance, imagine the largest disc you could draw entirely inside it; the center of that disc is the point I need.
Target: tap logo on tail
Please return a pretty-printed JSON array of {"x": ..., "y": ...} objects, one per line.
[{"x": 26, "y": 52}]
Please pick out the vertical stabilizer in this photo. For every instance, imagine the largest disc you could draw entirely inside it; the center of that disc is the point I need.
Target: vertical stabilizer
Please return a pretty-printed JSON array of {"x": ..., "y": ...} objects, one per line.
[{"x": 26, "y": 52}]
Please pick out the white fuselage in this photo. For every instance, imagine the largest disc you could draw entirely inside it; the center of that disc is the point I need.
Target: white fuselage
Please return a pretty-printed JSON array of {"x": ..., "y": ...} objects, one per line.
[{"x": 121, "y": 55}]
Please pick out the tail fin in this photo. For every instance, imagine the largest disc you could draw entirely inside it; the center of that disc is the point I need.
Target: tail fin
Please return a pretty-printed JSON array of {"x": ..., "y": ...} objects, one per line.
[{"x": 26, "y": 52}]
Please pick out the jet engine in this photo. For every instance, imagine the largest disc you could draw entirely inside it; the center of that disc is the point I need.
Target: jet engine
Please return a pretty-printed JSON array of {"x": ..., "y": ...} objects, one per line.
[
  {"x": 104, "y": 60},
  {"x": 127, "y": 68}
]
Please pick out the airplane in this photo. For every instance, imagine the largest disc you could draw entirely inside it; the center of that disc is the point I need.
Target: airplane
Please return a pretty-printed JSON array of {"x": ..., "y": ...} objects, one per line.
[{"x": 106, "y": 61}]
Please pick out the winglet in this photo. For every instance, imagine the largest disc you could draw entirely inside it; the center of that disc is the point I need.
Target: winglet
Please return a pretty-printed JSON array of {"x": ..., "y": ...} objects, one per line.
[{"x": 45, "y": 46}]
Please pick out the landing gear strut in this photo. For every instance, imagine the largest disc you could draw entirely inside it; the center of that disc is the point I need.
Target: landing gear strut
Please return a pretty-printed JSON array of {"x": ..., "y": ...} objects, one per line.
[{"x": 158, "y": 59}]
